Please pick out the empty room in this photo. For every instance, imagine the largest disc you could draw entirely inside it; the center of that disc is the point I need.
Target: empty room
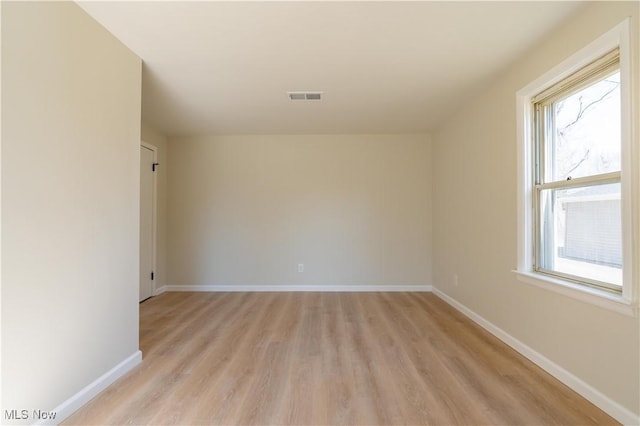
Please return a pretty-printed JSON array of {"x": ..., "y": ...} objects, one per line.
[{"x": 320, "y": 212}]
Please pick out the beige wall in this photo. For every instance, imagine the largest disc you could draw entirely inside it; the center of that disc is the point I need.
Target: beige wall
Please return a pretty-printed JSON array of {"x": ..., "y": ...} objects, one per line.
[
  {"x": 475, "y": 225},
  {"x": 245, "y": 210},
  {"x": 157, "y": 139},
  {"x": 70, "y": 188}
]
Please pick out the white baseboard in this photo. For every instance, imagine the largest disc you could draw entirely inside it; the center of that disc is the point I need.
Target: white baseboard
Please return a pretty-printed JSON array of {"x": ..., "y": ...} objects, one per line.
[
  {"x": 71, "y": 405},
  {"x": 285, "y": 288},
  {"x": 159, "y": 291},
  {"x": 606, "y": 404}
]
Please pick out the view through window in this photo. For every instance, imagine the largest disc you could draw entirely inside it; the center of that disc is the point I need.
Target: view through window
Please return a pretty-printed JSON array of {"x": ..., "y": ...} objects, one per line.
[{"x": 577, "y": 176}]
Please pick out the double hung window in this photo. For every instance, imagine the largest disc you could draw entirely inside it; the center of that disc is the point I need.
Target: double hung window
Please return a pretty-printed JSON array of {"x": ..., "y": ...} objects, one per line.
[
  {"x": 577, "y": 169},
  {"x": 578, "y": 181}
]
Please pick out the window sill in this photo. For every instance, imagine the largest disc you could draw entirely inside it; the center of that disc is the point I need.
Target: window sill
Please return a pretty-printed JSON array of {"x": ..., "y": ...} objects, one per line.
[{"x": 589, "y": 295}]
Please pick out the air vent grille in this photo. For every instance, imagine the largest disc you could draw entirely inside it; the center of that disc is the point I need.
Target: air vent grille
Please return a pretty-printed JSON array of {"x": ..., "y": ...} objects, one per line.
[{"x": 305, "y": 96}]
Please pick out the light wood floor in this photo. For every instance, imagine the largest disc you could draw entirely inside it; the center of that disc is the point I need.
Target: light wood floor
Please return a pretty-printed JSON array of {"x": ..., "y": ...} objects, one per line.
[{"x": 327, "y": 359}]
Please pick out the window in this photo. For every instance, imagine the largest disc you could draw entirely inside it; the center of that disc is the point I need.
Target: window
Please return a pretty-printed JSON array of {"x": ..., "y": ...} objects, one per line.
[
  {"x": 575, "y": 183},
  {"x": 577, "y": 143}
]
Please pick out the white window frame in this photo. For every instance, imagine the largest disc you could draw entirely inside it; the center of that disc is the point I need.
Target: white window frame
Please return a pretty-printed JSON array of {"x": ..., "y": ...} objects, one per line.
[{"x": 625, "y": 303}]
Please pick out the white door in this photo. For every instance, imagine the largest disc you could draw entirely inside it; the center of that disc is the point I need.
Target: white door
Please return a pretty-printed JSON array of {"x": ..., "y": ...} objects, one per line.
[{"x": 147, "y": 207}]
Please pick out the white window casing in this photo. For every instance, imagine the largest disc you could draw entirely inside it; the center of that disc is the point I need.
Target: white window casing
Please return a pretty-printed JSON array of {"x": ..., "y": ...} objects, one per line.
[{"x": 627, "y": 301}]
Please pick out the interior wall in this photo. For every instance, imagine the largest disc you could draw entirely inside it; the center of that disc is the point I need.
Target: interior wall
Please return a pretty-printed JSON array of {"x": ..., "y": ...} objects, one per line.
[
  {"x": 157, "y": 139},
  {"x": 70, "y": 198},
  {"x": 475, "y": 234},
  {"x": 246, "y": 210}
]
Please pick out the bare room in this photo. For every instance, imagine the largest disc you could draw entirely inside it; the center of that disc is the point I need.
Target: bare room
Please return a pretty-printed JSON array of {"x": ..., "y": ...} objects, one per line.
[{"x": 320, "y": 212}]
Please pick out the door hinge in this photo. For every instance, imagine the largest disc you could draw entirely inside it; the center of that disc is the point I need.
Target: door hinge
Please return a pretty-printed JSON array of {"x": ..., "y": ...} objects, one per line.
[
  {"x": 154, "y": 166},
  {"x": 152, "y": 275}
]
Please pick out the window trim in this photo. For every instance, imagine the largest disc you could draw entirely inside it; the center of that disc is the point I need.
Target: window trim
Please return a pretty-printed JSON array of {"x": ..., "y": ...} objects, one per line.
[{"x": 627, "y": 302}]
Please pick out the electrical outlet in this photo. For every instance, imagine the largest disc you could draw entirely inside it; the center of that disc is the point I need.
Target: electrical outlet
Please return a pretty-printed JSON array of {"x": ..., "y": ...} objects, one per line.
[
  {"x": 455, "y": 280},
  {"x": 300, "y": 267}
]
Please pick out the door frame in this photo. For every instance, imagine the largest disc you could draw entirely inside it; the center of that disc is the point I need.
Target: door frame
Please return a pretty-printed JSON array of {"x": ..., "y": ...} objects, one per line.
[{"x": 154, "y": 219}]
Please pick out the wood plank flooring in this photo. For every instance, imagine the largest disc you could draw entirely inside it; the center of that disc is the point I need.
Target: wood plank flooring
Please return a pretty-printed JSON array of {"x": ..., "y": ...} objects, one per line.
[{"x": 327, "y": 359}]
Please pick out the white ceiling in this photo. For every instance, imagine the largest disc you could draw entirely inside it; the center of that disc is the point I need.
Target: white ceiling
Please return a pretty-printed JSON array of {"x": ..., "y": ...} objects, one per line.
[{"x": 384, "y": 67}]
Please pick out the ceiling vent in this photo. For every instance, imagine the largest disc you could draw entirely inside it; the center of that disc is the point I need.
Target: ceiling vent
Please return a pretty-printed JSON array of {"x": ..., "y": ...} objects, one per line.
[{"x": 305, "y": 96}]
